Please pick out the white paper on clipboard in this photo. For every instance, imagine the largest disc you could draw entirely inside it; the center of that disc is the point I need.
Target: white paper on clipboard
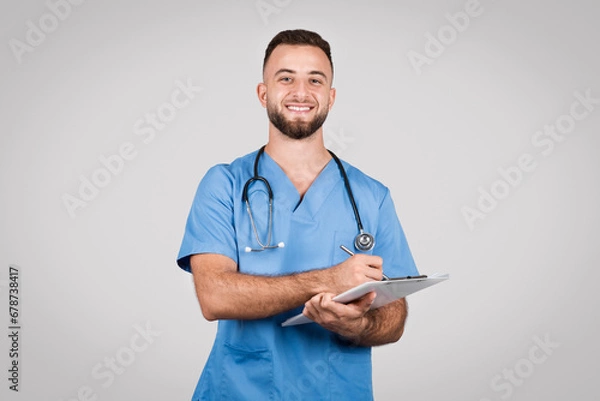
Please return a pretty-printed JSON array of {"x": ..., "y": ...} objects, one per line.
[{"x": 387, "y": 291}]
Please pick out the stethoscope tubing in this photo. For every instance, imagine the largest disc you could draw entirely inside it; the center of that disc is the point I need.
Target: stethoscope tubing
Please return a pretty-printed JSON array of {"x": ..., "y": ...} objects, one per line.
[{"x": 363, "y": 241}]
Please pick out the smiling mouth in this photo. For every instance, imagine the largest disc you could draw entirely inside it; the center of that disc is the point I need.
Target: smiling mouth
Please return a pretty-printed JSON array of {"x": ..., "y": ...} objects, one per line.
[{"x": 299, "y": 108}]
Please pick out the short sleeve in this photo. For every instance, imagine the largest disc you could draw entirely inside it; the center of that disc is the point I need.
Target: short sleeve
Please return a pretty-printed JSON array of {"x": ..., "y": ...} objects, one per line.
[
  {"x": 209, "y": 227},
  {"x": 391, "y": 243}
]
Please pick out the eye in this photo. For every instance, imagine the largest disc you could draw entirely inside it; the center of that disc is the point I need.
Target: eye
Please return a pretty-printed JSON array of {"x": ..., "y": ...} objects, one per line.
[
  {"x": 285, "y": 79},
  {"x": 316, "y": 81}
]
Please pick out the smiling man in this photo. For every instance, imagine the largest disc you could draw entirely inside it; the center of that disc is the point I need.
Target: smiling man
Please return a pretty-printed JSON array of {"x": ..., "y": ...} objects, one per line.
[{"x": 262, "y": 241}]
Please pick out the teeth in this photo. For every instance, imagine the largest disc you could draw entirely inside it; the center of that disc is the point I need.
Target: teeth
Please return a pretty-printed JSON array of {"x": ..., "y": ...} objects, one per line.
[{"x": 296, "y": 108}]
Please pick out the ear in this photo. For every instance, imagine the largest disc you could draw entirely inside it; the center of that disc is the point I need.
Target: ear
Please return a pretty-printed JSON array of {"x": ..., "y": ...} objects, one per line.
[
  {"x": 261, "y": 91},
  {"x": 332, "y": 93}
]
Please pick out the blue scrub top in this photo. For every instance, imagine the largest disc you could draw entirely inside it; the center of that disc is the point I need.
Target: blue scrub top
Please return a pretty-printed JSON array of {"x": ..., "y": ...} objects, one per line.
[{"x": 259, "y": 359}]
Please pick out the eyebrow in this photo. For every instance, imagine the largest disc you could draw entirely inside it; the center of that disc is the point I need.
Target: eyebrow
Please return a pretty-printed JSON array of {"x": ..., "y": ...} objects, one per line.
[{"x": 288, "y": 71}]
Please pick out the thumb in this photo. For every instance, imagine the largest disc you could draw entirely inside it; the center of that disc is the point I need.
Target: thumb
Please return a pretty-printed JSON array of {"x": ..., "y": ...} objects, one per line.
[{"x": 366, "y": 301}]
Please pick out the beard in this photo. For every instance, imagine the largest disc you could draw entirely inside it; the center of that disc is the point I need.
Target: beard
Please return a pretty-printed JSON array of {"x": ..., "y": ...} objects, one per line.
[{"x": 295, "y": 129}]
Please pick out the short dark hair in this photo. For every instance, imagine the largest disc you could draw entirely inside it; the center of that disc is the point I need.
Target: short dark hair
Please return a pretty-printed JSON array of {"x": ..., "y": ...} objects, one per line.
[{"x": 298, "y": 37}]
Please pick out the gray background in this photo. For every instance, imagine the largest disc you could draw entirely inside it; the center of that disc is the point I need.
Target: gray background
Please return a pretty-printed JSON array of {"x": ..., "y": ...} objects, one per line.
[{"x": 434, "y": 135}]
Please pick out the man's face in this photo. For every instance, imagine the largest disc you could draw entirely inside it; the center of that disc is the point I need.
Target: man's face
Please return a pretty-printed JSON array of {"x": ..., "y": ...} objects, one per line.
[{"x": 297, "y": 89}]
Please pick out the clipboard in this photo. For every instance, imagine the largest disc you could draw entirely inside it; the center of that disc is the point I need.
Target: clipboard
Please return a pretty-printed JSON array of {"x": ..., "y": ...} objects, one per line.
[{"x": 387, "y": 291}]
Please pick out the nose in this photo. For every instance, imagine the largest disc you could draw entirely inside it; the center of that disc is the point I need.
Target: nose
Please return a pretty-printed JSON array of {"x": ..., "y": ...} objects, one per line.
[{"x": 299, "y": 90}]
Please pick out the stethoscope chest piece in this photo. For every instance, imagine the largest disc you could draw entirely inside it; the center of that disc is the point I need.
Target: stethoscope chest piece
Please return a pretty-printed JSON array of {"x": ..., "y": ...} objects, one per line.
[{"x": 364, "y": 242}]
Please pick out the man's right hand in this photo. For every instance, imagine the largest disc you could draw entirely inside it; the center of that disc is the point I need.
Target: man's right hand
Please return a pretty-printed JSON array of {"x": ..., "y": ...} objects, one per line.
[{"x": 354, "y": 271}]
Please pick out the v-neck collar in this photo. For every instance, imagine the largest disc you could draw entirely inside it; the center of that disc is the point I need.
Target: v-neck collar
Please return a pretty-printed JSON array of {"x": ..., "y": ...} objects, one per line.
[{"x": 285, "y": 193}]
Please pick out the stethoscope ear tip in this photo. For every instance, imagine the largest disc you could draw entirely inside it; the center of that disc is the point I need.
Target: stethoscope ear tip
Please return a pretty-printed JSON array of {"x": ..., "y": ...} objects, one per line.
[
  {"x": 248, "y": 249},
  {"x": 280, "y": 245}
]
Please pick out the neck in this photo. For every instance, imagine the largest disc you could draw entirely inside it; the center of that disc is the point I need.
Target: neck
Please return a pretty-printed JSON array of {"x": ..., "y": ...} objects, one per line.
[
  {"x": 297, "y": 154},
  {"x": 301, "y": 160}
]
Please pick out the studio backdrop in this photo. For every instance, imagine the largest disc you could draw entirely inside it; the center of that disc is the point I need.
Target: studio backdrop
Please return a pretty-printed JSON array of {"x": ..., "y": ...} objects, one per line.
[{"x": 482, "y": 117}]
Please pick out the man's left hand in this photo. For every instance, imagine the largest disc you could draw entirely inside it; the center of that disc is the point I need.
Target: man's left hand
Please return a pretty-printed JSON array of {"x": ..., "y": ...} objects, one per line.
[{"x": 347, "y": 320}]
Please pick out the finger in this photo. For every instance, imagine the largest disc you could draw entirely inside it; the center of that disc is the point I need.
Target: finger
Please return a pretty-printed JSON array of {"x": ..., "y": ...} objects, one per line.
[
  {"x": 374, "y": 274},
  {"x": 365, "y": 302},
  {"x": 321, "y": 303},
  {"x": 314, "y": 306},
  {"x": 309, "y": 306},
  {"x": 375, "y": 263},
  {"x": 372, "y": 260},
  {"x": 325, "y": 299}
]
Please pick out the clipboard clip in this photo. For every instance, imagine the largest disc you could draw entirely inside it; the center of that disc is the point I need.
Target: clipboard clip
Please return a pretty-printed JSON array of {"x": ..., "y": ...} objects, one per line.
[{"x": 408, "y": 277}]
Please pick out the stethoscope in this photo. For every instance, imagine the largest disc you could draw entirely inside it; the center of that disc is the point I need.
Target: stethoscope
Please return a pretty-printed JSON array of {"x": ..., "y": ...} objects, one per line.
[{"x": 363, "y": 241}]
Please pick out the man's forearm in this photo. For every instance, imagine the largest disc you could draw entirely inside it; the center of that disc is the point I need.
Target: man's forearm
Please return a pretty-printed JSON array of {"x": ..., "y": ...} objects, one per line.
[
  {"x": 234, "y": 295},
  {"x": 225, "y": 293}
]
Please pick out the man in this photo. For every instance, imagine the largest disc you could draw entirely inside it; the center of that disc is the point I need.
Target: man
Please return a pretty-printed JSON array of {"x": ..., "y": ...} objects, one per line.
[{"x": 263, "y": 243}]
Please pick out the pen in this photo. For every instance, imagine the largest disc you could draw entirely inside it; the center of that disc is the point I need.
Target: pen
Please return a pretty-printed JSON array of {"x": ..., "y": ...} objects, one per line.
[{"x": 349, "y": 252}]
